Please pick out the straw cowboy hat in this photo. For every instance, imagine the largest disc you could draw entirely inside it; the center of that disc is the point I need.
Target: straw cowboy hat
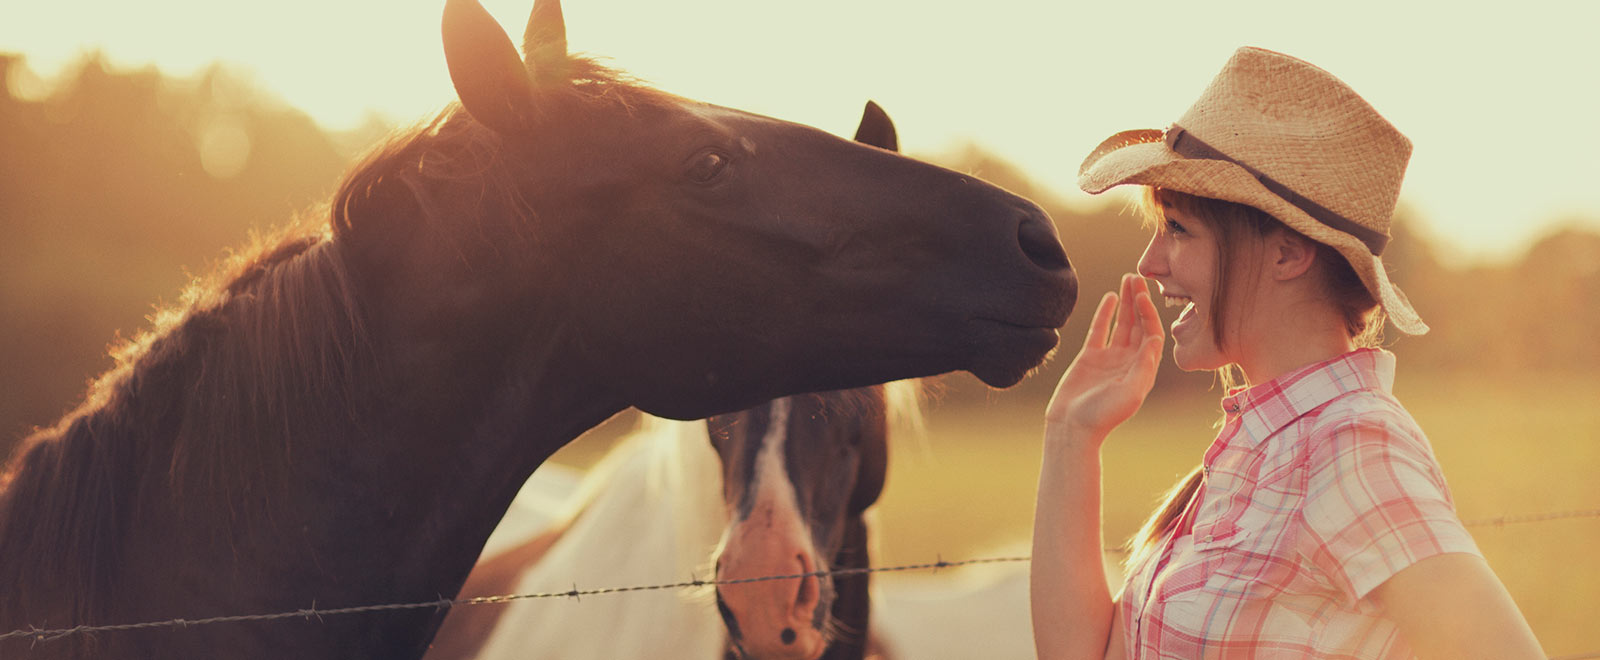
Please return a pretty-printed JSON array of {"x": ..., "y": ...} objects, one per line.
[{"x": 1288, "y": 138}]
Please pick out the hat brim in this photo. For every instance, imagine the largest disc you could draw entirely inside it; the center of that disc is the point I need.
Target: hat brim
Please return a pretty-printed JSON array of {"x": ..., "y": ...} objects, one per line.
[{"x": 1141, "y": 157}]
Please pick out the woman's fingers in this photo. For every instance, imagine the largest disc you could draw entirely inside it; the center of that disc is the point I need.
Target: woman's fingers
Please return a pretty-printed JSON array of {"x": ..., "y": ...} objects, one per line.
[
  {"x": 1125, "y": 313},
  {"x": 1149, "y": 316},
  {"x": 1100, "y": 326}
]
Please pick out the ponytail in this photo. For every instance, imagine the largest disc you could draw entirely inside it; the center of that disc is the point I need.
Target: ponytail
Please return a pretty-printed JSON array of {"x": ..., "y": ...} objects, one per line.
[{"x": 1164, "y": 518}]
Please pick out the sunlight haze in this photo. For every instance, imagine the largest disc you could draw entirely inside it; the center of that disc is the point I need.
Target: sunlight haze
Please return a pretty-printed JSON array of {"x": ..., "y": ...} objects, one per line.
[{"x": 1500, "y": 103}]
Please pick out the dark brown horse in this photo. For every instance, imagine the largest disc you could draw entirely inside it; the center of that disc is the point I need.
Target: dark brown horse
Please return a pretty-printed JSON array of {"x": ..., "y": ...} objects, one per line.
[{"x": 341, "y": 416}]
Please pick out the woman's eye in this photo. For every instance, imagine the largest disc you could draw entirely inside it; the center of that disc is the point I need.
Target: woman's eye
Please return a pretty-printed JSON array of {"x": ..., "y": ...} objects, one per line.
[
  {"x": 1174, "y": 227},
  {"x": 707, "y": 166}
]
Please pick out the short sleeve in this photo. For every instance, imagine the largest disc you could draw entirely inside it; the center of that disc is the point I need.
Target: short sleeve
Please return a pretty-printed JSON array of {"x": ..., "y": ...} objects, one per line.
[{"x": 1376, "y": 502}]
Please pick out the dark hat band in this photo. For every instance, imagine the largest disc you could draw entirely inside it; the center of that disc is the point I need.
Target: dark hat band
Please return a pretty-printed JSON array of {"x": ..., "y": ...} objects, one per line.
[{"x": 1189, "y": 146}]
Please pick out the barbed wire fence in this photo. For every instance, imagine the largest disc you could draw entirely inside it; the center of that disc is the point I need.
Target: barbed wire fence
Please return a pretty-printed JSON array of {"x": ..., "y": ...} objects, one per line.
[{"x": 41, "y": 635}]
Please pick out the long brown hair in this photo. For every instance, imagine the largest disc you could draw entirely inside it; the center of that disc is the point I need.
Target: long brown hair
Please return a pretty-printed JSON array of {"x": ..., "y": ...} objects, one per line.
[{"x": 1232, "y": 223}]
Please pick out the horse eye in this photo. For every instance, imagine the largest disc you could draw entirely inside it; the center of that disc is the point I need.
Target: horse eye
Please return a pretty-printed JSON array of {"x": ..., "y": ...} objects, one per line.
[{"x": 707, "y": 166}]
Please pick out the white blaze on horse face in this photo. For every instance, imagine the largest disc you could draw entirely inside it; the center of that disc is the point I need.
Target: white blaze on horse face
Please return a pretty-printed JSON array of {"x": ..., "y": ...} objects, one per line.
[
  {"x": 769, "y": 461},
  {"x": 775, "y": 505},
  {"x": 776, "y": 619}
]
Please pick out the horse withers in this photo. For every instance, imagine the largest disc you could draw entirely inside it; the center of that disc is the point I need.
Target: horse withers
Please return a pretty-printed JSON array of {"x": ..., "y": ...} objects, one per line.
[{"x": 341, "y": 414}]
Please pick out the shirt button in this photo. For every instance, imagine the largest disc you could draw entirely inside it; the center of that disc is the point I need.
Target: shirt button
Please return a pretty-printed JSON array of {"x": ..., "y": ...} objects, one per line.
[{"x": 1207, "y": 539}]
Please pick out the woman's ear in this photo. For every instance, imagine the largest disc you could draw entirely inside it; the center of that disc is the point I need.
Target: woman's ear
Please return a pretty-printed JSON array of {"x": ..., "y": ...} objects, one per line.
[{"x": 1290, "y": 254}]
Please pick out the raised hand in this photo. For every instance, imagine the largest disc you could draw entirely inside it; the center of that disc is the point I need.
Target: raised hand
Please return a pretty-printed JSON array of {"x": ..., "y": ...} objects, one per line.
[{"x": 1111, "y": 376}]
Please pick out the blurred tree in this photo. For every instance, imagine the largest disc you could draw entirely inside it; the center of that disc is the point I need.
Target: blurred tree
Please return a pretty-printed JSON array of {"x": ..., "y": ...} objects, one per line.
[{"x": 105, "y": 199}]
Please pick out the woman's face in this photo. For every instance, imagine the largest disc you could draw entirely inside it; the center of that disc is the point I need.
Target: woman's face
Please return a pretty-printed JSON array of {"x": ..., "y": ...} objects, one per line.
[{"x": 1182, "y": 259}]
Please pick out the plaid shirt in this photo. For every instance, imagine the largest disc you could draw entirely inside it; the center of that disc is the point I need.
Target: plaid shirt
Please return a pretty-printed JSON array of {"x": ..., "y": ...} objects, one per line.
[{"x": 1318, "y": 489}]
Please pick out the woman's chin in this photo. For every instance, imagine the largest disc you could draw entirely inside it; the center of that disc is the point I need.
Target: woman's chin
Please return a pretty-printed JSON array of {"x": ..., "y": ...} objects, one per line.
[{"x": 1189, "y": 359}]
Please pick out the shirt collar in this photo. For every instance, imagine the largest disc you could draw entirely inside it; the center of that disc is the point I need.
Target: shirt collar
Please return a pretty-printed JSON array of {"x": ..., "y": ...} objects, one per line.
[{"x": 1264, "y": 409}]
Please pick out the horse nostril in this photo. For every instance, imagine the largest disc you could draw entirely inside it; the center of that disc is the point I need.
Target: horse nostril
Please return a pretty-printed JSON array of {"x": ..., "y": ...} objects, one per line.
[
  {"x": 788, "y": 636},
  {"x": 1040, "y": 244},
  {"x": 806, "y": 596}
]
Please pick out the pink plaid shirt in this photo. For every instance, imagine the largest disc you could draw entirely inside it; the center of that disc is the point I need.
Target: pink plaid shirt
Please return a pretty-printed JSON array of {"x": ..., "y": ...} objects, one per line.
[{"x": 1318, "y": 489}]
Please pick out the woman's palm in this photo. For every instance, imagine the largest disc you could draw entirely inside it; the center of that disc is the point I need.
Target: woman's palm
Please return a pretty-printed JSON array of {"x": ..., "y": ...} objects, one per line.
[{"x": 1115, "y": 370}]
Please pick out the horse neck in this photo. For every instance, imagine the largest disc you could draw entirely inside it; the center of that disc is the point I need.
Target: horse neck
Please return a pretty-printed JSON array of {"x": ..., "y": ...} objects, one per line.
[
  {"x": 374, "y": 488},
  {"x": 405, "y": 503}
]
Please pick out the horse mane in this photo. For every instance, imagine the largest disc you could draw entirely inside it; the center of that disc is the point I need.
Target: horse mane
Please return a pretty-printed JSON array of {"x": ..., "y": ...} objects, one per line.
[
  {"x": 211, "y": 398},
  {"x": 259, "y": 360}
]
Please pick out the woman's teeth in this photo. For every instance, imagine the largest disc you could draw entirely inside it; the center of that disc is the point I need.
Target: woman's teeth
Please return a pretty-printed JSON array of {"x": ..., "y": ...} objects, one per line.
[{"x": 1176, "y": 301}]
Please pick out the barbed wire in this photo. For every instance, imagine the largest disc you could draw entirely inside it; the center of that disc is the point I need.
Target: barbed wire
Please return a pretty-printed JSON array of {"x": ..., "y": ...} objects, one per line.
[
  {"x": 46, "y": 635},
  {"x": 1501, "y": 521}
]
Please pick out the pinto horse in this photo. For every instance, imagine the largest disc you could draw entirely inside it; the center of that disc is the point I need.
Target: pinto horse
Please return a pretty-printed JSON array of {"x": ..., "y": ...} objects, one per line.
[
  {"x": 812, "y": 463},
  {"x": 342, "y": 414},
  {"x": 798, "y": 509}
]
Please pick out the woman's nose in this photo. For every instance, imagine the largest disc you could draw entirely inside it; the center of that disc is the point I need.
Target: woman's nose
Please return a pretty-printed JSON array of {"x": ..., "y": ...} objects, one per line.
[{"x": 1153, "y": 262}]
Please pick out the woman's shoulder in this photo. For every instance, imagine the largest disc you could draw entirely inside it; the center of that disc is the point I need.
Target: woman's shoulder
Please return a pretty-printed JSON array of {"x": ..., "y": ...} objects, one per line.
[{"x": 1367, "y": 423}]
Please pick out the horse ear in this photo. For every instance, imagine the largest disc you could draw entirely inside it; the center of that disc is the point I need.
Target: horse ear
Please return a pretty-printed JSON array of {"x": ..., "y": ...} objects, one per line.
[
  {"x": 544, "y": 42},
  {"x": 877, "y": 129},
  {"x": 491, "y": 80}
]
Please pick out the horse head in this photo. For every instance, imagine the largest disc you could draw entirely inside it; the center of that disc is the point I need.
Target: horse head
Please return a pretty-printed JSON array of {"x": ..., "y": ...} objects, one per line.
[
  {"x": 798, "y": 474},
  {"x": 703, "y": 258}
]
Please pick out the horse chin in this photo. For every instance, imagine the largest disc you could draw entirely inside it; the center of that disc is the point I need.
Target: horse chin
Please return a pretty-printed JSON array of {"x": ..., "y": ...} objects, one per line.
[{"x": 1011, "y": 353}]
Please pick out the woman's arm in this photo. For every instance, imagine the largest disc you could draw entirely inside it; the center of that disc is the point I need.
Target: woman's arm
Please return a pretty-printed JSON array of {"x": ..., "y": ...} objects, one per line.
[
  {"x": 1071, "y": 604},
  {"x": 1453, "y": 606},
  {"x": 1072, "y": 610}
]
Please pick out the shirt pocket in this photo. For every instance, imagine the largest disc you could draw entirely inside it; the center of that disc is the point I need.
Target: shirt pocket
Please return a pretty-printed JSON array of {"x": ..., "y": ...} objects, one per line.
[{"x": 1186, "y": 575}]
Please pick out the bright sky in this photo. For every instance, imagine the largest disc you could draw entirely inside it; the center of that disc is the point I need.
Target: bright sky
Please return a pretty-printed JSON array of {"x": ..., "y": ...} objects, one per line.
[{"x": 1502, "y": 104}]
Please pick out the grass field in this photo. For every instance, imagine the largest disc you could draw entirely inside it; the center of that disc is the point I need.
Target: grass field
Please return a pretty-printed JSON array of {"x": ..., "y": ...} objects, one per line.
[{"x": 1509, "y": 446}]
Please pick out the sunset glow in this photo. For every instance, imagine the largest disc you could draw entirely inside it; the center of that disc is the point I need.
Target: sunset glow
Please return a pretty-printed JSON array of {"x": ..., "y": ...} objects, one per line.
[{"x": 1498, "y": 102}]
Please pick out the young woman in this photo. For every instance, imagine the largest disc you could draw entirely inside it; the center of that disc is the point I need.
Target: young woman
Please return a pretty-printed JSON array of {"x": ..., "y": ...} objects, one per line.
[{"x": 1319, "y": 523}]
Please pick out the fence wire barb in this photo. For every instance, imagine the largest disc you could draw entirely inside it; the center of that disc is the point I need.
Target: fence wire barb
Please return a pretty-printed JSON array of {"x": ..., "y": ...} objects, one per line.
[{"x": 46, "y": 635}]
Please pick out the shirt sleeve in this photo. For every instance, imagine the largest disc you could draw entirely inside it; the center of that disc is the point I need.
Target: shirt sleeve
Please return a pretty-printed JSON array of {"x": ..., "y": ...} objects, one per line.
[{"x": 1376, "y": 502}]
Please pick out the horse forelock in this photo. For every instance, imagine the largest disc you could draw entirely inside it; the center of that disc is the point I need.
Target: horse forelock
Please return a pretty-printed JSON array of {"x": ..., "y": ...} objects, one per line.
[
  {"x": 900, "y": 402},
  {"x": 453, "y": 149}
]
